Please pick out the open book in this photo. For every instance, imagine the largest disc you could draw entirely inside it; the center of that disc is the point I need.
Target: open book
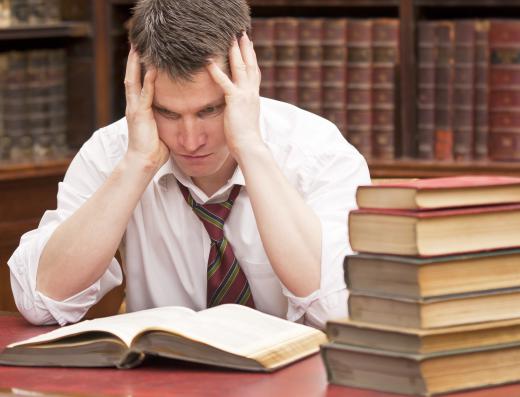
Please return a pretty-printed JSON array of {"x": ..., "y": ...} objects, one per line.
[{"x": 230, "y": 335}]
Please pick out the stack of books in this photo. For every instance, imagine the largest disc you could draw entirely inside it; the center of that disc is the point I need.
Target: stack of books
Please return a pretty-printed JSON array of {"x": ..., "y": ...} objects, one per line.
[{"x": 434, "y": 302}]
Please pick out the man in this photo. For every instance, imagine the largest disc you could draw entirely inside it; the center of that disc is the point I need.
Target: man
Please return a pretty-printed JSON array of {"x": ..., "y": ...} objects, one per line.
[{"x": 196, "y": 132}]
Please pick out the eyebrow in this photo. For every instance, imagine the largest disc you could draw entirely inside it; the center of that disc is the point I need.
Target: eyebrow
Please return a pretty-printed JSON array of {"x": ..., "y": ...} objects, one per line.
[{"x": 218, "y": 102}]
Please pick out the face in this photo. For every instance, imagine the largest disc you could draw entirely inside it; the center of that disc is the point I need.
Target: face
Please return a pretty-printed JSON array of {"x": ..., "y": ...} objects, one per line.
[{"x": 190, "y": 121}]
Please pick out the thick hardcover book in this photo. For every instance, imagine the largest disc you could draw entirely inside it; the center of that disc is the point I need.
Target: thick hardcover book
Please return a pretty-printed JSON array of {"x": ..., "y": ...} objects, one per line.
[
  {"x": 334, "y": 72},
  {"x": 310, "y": 58},
  {"x": 482, "y": 92},
  {"x": 421, "y": 341},
  {"x": 435, "y": 232},
  {"x": 359, "y": 76},
  {"x": 464, "y": 90},
  {"x": 426, "y": 90},
  {"x": 445, "y": 192},
  {"x": 435, "y": 312},
  {"x": 232, "y": 336},
  {"x": 263, "y": 37},
  {"x": 286, "y": 59},
  {"x": 410, "y": 277},
  {"x": 421, "y": 374},
  {"x": 444, "y": 85},
  {"x": 504, "y": 124},
  {"x": 385, "y": 53},
  {"x": 57, "y": 100}
]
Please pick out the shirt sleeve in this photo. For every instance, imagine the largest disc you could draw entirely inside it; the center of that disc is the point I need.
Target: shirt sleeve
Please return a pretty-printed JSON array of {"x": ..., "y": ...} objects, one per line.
[
  {"x": 86, "y": 173},
  {"x": 329, "y": 185}
]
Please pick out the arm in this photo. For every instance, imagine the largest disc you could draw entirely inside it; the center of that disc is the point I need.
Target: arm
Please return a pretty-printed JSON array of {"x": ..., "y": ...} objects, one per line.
[
  {"x": 289, "y": 229},
  {"x": 81, "y": 248}
]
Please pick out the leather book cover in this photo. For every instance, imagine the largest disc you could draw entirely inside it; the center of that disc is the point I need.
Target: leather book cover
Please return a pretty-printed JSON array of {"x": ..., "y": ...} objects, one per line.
[
  {"x": 426, "y": 90},
  {"x": 263, "y": 38},
  {"x": 482, "y": 91},
  {"x": 286, "y": 59},
  {"x": 444, "y": 85},
  {"x": 310, "y": 59},
  {"x": 334, "y": 72}
]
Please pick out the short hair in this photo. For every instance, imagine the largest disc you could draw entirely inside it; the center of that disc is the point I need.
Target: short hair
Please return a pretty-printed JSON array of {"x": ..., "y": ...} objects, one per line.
[{"x": 181, "y": 36}]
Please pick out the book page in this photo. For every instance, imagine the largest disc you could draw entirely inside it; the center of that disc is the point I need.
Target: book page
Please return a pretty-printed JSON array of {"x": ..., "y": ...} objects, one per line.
[
  {"x": 124, "y": 326},
  {"x": 238, "y": 329}
]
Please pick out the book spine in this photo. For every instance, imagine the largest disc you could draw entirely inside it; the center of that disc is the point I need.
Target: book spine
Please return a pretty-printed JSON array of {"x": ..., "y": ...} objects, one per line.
[
  {"x": 36, "y": 102},
  {"x": 264, "y": 43},
  {"x": 482, "y": 91},
  {"x": 504, "y": 122},
  {"x": 5, "y": 140},
  {"x": 15, "y": 116},
  {"x": 57, "y": 100},
  {"x": 426, "y": 90},
  {"x": 286, "y": 60},
  {"x": 334, "y": 72},
  {"x": 385, "y": 52},
  {"x": 359, "y": 78},
  {"x": 464, "y": 90},
  {"x": 19, "y": 12},
  {"x": 310, "y": 56},
  {"x": 444, "y": 84},
  {"x": 37, "y": 14}
]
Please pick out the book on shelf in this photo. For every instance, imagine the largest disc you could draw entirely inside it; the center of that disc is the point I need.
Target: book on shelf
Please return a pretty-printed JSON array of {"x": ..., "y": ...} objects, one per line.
[
  {"x": 232, "y": 336},
  {"x": 444, "y": 192},
  {"x": 421, "y": 374},
  {"x": 309, "y": 66},
  {"x": 286, "y": 59},
  {"x": 421, "y": 341},
  {"x": 416, "y": 278},
  {"x": 435, "y": 232},
  {"x": 482, "y": 92},
  {"x": 504, "y": 121},
  {"x": 29, "y": 12},
  {"x": 434, "y": 312}
]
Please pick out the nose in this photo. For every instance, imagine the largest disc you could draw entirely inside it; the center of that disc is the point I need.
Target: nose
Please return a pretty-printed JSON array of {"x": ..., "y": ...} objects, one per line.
[{"x": 191, "y": 136}]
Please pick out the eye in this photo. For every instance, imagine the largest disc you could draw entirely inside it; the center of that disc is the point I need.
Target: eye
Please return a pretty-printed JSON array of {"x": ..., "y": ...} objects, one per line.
[
  {"x": 166, "y": 113},
  {"x": 211, "y": 110}
]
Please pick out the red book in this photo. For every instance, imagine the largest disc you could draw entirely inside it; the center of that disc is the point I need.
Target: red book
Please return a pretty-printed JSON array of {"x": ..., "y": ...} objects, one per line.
[
  {"x": 447, "y": 192},
  {"x": 435, "y": 232}
]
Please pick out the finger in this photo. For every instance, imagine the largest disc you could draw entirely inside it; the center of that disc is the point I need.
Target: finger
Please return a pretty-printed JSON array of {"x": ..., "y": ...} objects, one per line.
[
  {"x": 249, "y": 57},
  {"x": 132, "y": 79},
  {"x": 147, "y": 92},
  {"x": 220, "y": 78},
  {"x": 236, "y": 63}
]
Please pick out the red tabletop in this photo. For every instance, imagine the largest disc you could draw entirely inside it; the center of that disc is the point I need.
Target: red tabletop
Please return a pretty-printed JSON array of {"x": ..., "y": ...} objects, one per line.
[{"x": 162, "y": 377}]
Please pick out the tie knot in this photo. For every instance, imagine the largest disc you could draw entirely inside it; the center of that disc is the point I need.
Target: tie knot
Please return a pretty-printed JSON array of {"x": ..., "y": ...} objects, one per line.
[{"x": 213, "y": 216}]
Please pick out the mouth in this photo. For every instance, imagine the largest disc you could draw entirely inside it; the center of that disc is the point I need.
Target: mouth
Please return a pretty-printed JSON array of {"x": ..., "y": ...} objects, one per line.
[{"x": 197, "y": 157}]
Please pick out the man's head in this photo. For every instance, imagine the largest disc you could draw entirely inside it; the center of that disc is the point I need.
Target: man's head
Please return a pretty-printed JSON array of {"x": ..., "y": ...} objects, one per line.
[{"x": 179, "y": 37}]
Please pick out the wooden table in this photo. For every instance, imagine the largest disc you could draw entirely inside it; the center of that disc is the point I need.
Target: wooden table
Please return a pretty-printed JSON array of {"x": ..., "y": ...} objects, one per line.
[{"x": 160, "y": 377}]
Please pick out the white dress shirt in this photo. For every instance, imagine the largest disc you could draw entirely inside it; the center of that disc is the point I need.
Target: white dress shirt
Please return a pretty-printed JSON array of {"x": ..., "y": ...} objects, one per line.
[{"x": 165, "y": 247}]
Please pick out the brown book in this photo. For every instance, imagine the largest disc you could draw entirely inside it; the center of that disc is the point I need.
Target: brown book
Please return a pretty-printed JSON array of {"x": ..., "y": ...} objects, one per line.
[
  {"x": 444, "y": 85},
  {"x": 310, "y": 58},
  {"x": 435, "y": 232},
  {"x": 385, "y": 53},
  {"x": 359, "y": 76},
  {"x": 464, "y": 90},
  {"x": 426, "y": 90},
  {"x": 15, "y": 116},
  {"x": 57, "y": 100},
  {"x": 437, "y": 193},
  {"x": 442, "y": 311},
  {"x": 263, "y": 38},
  {"x": 482, "y": 92},
  {"x": 334, "y": 72},
  {"x": 37, "y": 103},
  {"x": 5, "y": 139},
  {"x": 415, "y": 278},
  {"x": 19, "y": 12},
  {"x": 421, "y": 374},
  {"x": 231, "y": 335},
  {"x": 421, "y": 341},
  {"x": 504, "y": 123},
  {"x": 286, "y": 61}
]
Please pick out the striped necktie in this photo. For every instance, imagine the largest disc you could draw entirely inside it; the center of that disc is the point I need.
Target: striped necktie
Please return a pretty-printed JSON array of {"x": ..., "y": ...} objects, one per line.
[{"x": 227, "y": 282}]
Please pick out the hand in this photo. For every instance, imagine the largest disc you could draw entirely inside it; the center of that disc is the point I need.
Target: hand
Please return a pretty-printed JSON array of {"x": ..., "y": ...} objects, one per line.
[
  {"x": 144, "y": 143},
  {"x": 241, "y": 116}
]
